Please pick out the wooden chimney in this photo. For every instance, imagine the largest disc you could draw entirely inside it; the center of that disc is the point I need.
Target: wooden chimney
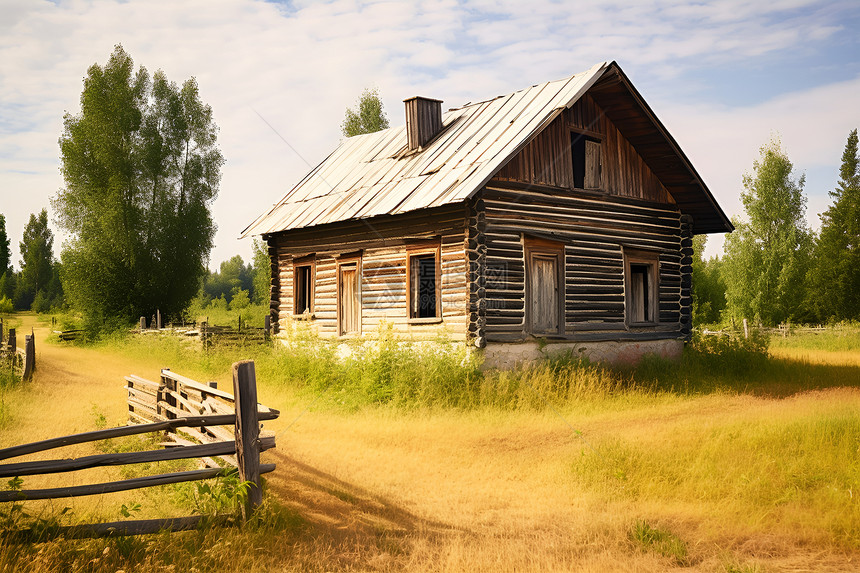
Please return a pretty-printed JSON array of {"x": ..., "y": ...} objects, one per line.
[{"x": 423, "y": 120}]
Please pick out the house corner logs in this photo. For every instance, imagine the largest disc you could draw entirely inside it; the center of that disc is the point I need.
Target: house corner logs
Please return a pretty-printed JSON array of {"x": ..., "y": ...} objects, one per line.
[
  {"x": 274, "y": 282},
  {"x": 476, "y": 250},
  {"x": 686, "y": 317}
]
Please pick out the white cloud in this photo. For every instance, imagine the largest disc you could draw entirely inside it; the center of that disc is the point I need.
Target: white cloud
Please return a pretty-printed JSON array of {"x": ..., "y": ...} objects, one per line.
[{"x": 812, "y": 125}]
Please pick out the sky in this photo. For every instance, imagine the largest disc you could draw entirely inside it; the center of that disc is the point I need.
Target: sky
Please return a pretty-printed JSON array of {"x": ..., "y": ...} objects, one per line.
[{"x": 723, "y": 77}]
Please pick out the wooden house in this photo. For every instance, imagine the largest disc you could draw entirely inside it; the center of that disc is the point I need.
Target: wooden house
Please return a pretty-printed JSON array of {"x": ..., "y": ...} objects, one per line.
[{"x": 557, "y": 217}]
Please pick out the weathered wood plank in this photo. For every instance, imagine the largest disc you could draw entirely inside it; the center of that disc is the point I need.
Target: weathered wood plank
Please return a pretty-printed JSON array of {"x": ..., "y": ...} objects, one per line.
[
  {"x": 186, "y": 422},
  {"x": 122, "y": 485},
  {"x": 123, "y": 458}
]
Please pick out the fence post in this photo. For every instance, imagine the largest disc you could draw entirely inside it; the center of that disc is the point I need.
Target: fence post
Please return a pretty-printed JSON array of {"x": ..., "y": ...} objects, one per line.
[
  {"x": 11, "y": 341},
  {"x": 165, "y": 394},
  {"x": 29, "y": 357},
  {"x": 746, "y": 329},
  {"x": 158, "y": 319},
  {"x": 1, "y": 333},
  {"x": 142, "y": 323},
  {"x": 247, "y": 432},
  {"x": 267, "y": 326}
]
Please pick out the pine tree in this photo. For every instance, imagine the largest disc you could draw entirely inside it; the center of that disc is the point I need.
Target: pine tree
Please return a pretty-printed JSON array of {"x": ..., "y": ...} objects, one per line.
[
  {"x": 835, "y": 275},
  {"x": 6, "y": 279}
]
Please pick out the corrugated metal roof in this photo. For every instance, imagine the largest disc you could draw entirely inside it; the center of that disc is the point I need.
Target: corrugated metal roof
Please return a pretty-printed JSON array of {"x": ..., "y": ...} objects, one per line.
[{"x": 371, "y": 175}]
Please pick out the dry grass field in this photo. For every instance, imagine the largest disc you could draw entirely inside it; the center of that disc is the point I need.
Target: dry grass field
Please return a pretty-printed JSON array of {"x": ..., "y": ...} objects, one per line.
[{"x": 717, "y": 481}]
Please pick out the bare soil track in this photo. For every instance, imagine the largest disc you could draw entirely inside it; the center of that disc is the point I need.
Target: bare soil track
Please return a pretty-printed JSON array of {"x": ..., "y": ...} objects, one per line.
[{"x": 439, "y": 491}]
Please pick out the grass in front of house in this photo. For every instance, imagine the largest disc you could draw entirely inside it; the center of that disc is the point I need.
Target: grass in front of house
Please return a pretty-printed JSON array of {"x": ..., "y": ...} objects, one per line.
[{"x": 724, "y": 462}]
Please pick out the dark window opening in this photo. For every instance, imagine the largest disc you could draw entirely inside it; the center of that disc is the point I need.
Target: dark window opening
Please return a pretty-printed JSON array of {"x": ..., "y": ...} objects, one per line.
[
  {"x": 640, "y": 293},
  {"x": 303, "y": 278},
  {"x": 585, "y": 152},
  {"x": 422, "y": 274}
]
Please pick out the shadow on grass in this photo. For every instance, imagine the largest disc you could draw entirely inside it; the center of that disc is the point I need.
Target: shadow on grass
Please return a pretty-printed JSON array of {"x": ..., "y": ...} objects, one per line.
[
  {"x": 758, "y": 375},
  {"x": 346, "y": 515}
]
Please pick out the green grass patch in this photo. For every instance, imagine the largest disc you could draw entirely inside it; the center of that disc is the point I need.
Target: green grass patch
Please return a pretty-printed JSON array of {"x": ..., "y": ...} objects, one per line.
[
  {"x": 660, "y": 541},
  {"x": 841, "y": 338},
  {"x": 771, "y": 469}
]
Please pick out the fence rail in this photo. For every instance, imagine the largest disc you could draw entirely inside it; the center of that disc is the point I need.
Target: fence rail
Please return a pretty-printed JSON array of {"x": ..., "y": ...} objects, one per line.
[
  {"x": 227, "y": 426},
  {"x": 209, "y": 334}
]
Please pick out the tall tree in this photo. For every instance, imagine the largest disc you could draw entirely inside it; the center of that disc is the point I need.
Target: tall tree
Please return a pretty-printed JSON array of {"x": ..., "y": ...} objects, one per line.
[
  {"x": 141, "y": 167},
  {"x": 262, "y": 272},
  {"x": 6, "y": 280},
  {"x": 835, "y": 275},
  {"x": 5, "y": 250},
  {"x": 367, "y": 117},
  {"x": 37, "y": 259},
  {"x": 768, "y": 254}
]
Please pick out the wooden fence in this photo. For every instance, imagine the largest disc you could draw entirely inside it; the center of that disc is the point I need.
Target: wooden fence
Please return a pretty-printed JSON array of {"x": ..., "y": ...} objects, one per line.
[
  {"x": 21, "y": 360},
  {"x": 166, "y": 406},
  {"x": 239, "y": 333}
]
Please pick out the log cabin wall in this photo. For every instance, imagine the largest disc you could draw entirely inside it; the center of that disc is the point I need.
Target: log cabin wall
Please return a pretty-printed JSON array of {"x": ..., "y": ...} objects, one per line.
[
  {"x": 382, "y": 244},
  {"x": 594, "y": 230},
  {"x": 546, "y": 160}
]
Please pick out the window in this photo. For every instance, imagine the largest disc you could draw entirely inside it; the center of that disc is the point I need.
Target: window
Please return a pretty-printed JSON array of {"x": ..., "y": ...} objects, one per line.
[
  {"x": 585, "y": 150},
  {"x": 349, "y": 296},
  {"x": 424, "y": 284},
  {"x": 641, "y": 287},
  {"x": 303, "y": 286},
  {"x": 544, "y": 286}
]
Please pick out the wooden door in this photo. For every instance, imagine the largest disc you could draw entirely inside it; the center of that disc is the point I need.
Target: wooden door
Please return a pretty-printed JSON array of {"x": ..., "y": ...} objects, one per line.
[
  {"x": 349, "y": 302},
  {"x": 592, "y": 165},
  {"x": 543, "y": 290}
]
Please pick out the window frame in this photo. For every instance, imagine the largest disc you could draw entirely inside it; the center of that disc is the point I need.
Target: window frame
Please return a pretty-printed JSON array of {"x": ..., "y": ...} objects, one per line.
[
  {"x": 308, "y": 261},
  {"x": 422, "y": 250},
  {"x": 652, "y": 260},
  {"x": 536, "y": 246},
  {"x": 586, "y": 136},
  {"x": 348, "y": 261}
]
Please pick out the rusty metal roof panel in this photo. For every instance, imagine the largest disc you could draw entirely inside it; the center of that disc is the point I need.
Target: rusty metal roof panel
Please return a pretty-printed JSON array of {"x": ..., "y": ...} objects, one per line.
[{"x": 374, "y": 174}]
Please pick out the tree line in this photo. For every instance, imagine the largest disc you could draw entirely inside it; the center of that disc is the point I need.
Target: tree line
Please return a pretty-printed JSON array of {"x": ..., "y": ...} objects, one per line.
[
  {"x": 775, "y": 268},
  {"x": 37, "y": 285}
]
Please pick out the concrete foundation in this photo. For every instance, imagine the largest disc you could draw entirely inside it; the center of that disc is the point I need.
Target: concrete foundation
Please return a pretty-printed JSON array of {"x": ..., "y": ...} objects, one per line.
[{"x": 508, "y": 355}]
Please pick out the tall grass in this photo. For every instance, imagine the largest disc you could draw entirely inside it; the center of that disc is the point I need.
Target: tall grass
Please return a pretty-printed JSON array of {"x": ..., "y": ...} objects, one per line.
[
  {"x": 841, "y": 338},
  {"x": 382, "y": 370},
  {"x": 770, "y": 469}
]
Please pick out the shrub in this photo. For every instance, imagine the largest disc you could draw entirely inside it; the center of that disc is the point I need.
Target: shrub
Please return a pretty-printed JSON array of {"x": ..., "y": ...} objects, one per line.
[
  {"x": 240, "y": 300},
  {"x": 6, "y": 306}
]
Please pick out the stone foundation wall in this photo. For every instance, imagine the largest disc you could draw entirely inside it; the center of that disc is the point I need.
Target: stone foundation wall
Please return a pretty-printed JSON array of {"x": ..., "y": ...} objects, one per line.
[{"x": 508, "y": 355}]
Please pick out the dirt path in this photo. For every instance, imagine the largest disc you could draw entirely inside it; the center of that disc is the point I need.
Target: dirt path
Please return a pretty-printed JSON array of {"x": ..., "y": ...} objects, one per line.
[{"x": 75, "y": 385}]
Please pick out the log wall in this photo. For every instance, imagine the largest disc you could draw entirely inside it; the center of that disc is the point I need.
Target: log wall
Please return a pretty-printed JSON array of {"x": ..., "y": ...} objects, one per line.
[
  {"x": 595, "y": 230},
  {"x": 547, "y": 159},
  {"x": 382, "y": 244}
]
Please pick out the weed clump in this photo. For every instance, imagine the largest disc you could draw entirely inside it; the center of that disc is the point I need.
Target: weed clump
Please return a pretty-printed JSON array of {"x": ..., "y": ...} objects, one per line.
[{"x": 659, "y": 540}]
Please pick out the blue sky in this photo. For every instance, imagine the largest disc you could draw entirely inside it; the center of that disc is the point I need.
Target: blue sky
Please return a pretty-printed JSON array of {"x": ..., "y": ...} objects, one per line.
[{"x": 722, "y": 76}]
